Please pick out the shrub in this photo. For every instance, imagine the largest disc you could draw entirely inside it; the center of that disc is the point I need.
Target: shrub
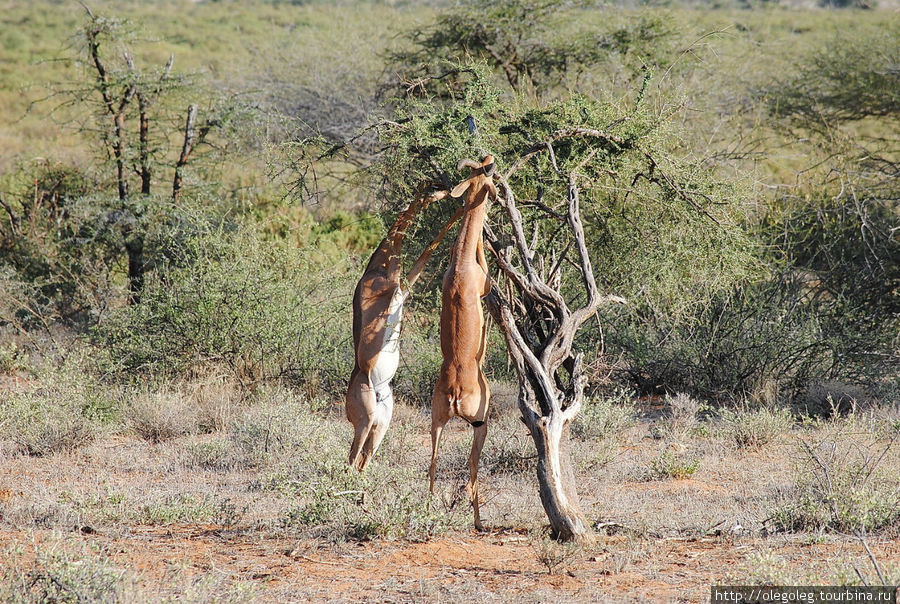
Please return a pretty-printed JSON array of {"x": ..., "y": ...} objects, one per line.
[
  {"x": 56, "y": 252},
  {"x": 535, "y": 45},
  {"x": 511, "y": 449},
  {"x": 836, "y": 230},
  {"x": 282, "y": 425},
  {"x": 215, "y": 454},
  {"x": 64, "y": 573},
  {"x": 12, "y": 359},
  {"x": 680, "y": 419},
  {"x": 420, "y": 356},
  {"x": 161, "y": 415},
  {"x": 604, "y": 418},
  {"x": 178, "y": 508},
  {"x": 305, "y": 458},
  {"x": 217, "y": 403},
  {"x": 840, "y": 487},
  {"x": 831, "y": 399},
  {"x": 384, "y": 502},
  {"x": 757, "y": 428},
  {"x": 670, "y": 465},
  {"x": 555, "y": 555},
  {"x": 62, "y": 412},
  {"x": 261, "y": 309}
]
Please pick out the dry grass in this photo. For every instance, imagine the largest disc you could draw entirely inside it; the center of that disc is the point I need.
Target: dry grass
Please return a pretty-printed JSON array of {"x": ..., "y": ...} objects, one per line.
[
  {"x": 159, "y": 416},
  {"x": 275, "y": 469},
  {"x": 753, "y": 429}
]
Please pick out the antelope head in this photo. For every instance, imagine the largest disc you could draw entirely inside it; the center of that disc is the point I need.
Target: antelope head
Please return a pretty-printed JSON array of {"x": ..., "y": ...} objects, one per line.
[{"x": 480, "y": 179}]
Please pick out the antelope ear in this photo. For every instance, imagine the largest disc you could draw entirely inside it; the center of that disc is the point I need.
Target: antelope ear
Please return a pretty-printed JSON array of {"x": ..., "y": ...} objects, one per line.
[{"x": 459, "y": 189}]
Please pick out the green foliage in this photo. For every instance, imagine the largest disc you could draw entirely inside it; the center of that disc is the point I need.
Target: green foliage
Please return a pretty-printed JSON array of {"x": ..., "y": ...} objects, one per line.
[
  {"x": 848, "y": 79},
  {"x": 742, "y": 339},
  {"x": 826, "y": 310},
  {"x": 532, "y": 44},
  {"x": 671, "y": 465},
  {"x": 57, "y": 252},
  {"x": 842, "y": 228},
  {"x": 836, "y": 232},
  {"x": 666, "y": 227},
  {"x": 663, "y": 228},
  {"x": 261, "y": 309},
  {"x": 845, "y": 245}
]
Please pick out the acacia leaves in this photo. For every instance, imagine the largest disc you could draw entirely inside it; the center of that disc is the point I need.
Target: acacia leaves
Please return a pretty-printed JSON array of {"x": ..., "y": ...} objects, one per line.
[{"x": 663, "y": 228}]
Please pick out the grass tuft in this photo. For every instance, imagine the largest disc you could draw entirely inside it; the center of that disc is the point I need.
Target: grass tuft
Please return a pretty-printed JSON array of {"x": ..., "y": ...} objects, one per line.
[{"x": 756, "y": 429}]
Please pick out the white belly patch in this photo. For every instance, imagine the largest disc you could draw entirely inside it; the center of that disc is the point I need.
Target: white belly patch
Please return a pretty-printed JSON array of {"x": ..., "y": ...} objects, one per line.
[{"x": 389, "y": 356}]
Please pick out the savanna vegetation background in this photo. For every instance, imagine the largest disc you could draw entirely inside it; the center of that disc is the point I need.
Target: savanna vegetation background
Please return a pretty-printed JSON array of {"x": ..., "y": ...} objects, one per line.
[{"x": 190, "y": 190}]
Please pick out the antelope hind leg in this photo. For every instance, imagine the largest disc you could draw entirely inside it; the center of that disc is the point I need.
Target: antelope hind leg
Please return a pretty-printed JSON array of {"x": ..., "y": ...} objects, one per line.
[{"x": 478, "y": 437}]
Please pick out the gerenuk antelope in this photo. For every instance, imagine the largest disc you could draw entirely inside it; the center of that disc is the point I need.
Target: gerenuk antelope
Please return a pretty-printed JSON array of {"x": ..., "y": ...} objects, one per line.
[
  {"x": 461, "y": 389},
  {"x": 377, "y": 312}
]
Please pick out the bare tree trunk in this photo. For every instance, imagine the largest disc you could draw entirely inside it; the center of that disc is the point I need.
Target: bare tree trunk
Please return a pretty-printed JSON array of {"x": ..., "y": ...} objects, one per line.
[
  {"x": 115, "y": 108},
  {"x": 135, "y": 249},
  {"x": 548, "y": 419},
  {"x": 144, "y": 147},
  {"x": 118, "y": 153},
  {"x": 539, "y": 329},
  {"x": 557, "y": 480}
]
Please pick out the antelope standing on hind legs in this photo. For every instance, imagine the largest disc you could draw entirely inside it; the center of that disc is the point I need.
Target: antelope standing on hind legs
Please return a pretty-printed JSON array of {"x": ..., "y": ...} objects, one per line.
[
  {"x": 377, "y": 312},
  {"x": 461, "y": 389}
]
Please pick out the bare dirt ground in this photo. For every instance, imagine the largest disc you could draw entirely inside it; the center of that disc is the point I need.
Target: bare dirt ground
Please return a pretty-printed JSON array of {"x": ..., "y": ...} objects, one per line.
[
  {"x": 495, "y": 566},
  {"x": 165, "y": 526}
]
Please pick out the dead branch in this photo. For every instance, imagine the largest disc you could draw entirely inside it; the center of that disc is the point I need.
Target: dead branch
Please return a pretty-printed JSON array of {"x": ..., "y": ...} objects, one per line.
[
  {"x": 618, "y": 141},
  {"x": 186, "y": 148}
]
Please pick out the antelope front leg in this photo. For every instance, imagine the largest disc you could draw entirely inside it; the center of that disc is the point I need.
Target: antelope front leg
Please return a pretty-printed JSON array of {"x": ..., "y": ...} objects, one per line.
[{"x": 478, "y": 437}]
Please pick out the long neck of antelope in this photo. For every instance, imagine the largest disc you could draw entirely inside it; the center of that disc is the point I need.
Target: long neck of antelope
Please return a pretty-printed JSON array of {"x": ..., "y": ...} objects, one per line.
[
  {"x": 472, "y": 224},
  {"x": 387, "y": 255},
  {"x": 397, "y": 232}
]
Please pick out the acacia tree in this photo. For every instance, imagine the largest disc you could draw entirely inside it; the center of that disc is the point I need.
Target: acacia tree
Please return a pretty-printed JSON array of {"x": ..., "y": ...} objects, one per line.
[
  {"x": 121, "y": 93},
  {"x": 583, "y": 184},
  {"x": 521, "y": 41},
  {"x": 552, "y": 289}
]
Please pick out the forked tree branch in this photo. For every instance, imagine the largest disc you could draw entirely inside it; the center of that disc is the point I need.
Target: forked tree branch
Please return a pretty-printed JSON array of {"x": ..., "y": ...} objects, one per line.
[
  {"x": 561, "y": 134},
  {"x": 186, "y": 149}
]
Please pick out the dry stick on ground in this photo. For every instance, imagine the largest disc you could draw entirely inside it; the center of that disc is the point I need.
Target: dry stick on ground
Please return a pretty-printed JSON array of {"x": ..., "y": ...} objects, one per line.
[{"x": 539, "y": 328}]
